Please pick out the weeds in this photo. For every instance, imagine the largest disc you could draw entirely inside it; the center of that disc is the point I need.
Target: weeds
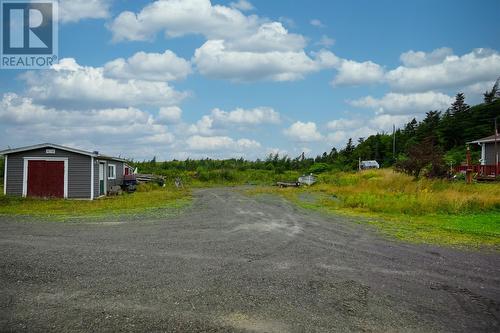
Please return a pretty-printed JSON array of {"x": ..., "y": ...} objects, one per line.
[
  {"x": 147, "y": 197},
  {"x": 431, "y": 211}
]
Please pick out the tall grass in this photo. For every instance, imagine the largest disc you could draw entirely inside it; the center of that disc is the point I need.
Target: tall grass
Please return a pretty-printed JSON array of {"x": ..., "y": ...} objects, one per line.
[
  {"x": 429, "y": 211},
  {"x": 228, "y": 177},
  {"x": 146, "y": 198},
  {"x": 386, "y": 191}
]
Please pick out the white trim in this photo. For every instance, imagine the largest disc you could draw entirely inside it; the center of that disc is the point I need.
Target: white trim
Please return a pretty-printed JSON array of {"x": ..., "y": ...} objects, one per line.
[
  {"x": 44, "y": 145},
  {"x": 92, "y": 178},
  {"x": 59, "y": 159},
  {"x": 114, "y": 171},
  {"x": 5, "y": 176},
  {"x": 104, "y": 178},
  {"x": 483, "y": 154},
  {"x": 492, "y": 140},
  {"x": 51, "y": 145}
]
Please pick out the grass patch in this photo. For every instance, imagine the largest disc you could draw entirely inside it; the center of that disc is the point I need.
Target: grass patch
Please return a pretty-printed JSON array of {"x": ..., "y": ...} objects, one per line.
[
  {"x": 423, "y": 211},
  {"x": 148, "y": 200}
]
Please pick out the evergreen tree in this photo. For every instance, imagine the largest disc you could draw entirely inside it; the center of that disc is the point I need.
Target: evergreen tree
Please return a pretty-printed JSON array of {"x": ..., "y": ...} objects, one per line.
[
  {"x": 410, "y": 127},
  {"x": 493, "y": 94},
  {"x": 429, "y": 126},
  {"x": 349, "y": 148},
  {"x": 459, "y": 105}
]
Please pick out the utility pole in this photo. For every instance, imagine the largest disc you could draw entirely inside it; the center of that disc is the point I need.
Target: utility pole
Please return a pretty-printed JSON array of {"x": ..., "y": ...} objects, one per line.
[
  {"x": 496, "y": 147},
  {"x": 394, "y": 142}
]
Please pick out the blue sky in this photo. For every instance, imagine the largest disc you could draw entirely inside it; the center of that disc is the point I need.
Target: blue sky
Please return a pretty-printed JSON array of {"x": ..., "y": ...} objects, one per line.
[{"x": 194, "y": 78}]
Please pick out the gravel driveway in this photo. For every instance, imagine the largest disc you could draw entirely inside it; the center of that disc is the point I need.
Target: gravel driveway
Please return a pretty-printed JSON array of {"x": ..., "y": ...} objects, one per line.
[{"x": 234, "y": 263}]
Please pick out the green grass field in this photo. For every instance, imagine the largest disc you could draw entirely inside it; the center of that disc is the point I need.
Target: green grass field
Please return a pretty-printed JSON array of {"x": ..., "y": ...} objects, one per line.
[
  {"x": 425, "y": 211},
  {"x": 148, "y": 200}
]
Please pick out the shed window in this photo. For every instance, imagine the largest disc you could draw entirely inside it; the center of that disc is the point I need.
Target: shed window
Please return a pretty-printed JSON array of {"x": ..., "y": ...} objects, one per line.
[{"x": 111, "y": 171}]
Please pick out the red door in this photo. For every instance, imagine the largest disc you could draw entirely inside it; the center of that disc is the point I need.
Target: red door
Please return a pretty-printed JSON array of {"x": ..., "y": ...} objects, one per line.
[{"x": 46, "y": 179}]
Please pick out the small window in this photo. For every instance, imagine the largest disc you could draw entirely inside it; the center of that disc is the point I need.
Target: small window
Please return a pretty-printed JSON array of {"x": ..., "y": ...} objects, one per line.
[{"x": 111, "y": 171}]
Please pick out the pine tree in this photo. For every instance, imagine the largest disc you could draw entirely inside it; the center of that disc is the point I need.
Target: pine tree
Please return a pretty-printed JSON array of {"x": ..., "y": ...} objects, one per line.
[
  {"x": 459, "y": 106},
  {"x": 493, "y": 94},
  {"x": 410, "y": 127},
  {"x": 349, "y": 148}
]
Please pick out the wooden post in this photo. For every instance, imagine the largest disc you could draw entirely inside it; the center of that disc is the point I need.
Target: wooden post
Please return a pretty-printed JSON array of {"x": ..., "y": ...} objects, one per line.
[{"x": 469, "y": 170}]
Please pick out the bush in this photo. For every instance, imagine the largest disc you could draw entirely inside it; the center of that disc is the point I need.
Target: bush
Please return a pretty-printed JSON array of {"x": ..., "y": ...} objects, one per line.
[
  {"x": 423, "y": 158},
  {"x": 319, "y": 168}
]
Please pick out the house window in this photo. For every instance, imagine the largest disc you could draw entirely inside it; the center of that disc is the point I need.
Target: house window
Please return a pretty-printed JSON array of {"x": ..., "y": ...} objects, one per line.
[{"x": 111, "y": 171}]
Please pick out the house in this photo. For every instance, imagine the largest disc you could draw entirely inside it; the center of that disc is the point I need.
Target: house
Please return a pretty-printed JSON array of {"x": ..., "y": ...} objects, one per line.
[
  {"x": 50, "y": 170},
  {"x": 489, "y": 156},
  {"x": 489, "y": 167},
  {"x": 363, "y": 165}
]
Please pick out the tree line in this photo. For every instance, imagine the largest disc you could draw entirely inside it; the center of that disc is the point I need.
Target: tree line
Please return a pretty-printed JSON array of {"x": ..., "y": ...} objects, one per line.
[{"x": 433, "y": 145}]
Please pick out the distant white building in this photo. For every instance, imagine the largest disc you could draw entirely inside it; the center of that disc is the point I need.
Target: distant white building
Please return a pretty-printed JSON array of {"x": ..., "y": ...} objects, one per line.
[
  {"x": 308, "y": 180},
  {"x": 363, "y": 165}
]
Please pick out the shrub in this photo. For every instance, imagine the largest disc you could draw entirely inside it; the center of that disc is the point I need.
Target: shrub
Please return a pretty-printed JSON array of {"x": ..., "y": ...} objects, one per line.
[{"x": 319, "y": 168}]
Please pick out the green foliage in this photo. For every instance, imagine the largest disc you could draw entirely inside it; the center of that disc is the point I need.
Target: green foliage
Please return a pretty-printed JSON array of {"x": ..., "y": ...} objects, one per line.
[
  {"x": 425, "y": 156},
  {"x": 448, "y": 131},
  {"x": 319, "y": 168},
  {"x": 492, "y": 95}
]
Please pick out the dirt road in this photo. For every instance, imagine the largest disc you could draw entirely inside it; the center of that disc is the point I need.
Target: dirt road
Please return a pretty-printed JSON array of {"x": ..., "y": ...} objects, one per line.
[{"x": 237, "y": 263}]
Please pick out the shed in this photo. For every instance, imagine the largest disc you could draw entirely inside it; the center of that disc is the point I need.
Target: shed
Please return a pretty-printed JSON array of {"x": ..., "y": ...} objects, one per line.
[
  {"x": 489, "y": 156},
  {"x": 55, "y": 171},
  {"x": 368, "y": 165}
]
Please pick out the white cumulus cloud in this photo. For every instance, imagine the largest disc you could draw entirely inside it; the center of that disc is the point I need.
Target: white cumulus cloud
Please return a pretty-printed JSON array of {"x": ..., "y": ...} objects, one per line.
[
  {"x": 357, "y": 73},
  {"x": 170, "y": 114},
  {"x": 303, "y": 132},
  {"x": 76, "y": 10},
  {"x": 219, "y": 119},
  {"x": 395, "y": 103},
  {"x": 239, "y": 116},
  {"x": 420, "y": 58},
  {"x": 238, "y": 47},
  {"x": 88, "y": 129},
  {"x": 177, "y": 18},
  {"x": 213, "y": 59},
  {"x": 220, "y": 143},
  {"x": 165, "y": 66},
  {"x": 441, "y": 70},
  {"x": 73, "y": 86}
]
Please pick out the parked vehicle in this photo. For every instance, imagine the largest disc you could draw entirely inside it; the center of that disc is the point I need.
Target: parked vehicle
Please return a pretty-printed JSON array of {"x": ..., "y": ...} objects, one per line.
[{"x": 129, "y": 183}]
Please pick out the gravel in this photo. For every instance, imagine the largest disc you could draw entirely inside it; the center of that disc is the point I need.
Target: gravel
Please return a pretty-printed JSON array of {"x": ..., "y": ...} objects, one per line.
[{"x": 233, "y": 263}]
